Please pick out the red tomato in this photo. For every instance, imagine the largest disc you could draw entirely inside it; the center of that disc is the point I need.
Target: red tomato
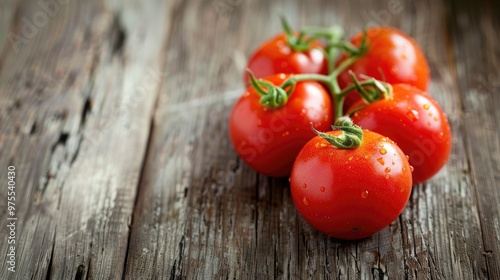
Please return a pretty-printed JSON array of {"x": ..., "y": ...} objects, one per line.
[
  {"x": 416, "y": 122},
  {"x": 269, "y": 139},
  {"x": 276, "y": 56},
  {"x": 351, "y": 193},
  {"x": 392, "y": 56}
]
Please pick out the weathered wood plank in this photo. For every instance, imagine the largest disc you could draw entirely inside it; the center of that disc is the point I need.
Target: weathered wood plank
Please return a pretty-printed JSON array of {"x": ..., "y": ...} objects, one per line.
[
  {"x": 76, "y": 107},
  {"x": 475, "y": 34}
]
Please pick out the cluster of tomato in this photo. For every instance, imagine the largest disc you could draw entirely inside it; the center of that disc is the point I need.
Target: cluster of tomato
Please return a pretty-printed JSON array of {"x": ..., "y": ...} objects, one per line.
[{"x": 349, "y": 121}]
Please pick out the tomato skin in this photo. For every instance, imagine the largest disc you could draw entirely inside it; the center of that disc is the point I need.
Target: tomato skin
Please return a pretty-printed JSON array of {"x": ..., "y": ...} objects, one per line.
[
  {"x": 392, "y": 56},
  {"x": 414, "y": 120},
  {"x": 351, "y": 193},
  {"x": 276, "y": 56},
  {"x": 268, "y": 140}
]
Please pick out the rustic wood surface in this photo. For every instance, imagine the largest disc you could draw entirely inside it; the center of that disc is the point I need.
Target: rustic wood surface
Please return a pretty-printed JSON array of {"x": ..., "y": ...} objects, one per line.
[{"x": 114, "y": 114}]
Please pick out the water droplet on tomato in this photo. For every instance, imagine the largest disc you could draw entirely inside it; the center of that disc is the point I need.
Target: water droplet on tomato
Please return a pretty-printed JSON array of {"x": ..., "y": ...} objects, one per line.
[
  {"x": 305, "y": 201},
  {"x": 407, "y": 157},
  {"x": 411, "y": 168},
  {"x": 413, "y": 115},
  {"x": 289, "y": 178},
  {"x": 382, "y": 151},
  {"x": 403, "y": 169},
  {"x": 441, "y": 135},
  {"x": 367, "y": 157},
  {"x": 436, "y": 119},
  {"x": 322, "y": 189},
  {"x": 364, "y": 194},
  {"x": 351, "y": 157},
  {"x": 381, "y": 161},
  {"x": 387, "y": 176},
  {"x": 356, "y": 114},
  {"x": 304, "y": 185},
  {"x": 426, "y": 106},
  {"x": 387, "y": 170},
  {"x": 393, "y": 163}
]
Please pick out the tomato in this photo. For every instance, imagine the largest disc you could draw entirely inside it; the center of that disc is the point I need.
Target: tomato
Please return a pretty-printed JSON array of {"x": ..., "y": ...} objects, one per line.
[
  {"x": 392, "y": 56},
  {"x": 269, "y": 139},
  {"x": 351, "y": 193},
  {"x": 276, "y": 56},
  {"x": 416, "y": 122}
]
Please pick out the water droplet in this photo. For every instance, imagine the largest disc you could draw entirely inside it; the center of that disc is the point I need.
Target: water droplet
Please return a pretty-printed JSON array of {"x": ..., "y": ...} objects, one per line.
[
  {"x": 407, "y": 157},
  {"x": 403, "y": 169},
  {"x": 322, "y": 189},
  {"x": 367, "y": 157},
  {"x": 387, "y": 176},
  {"x": 387, "y": 170},
  {"x": 289, "y": 179},
  {"x": 282, "y": 75},
  {"x": 426, "y": 106},
  {"x": 356, "y": 114},
  {"x": 411, "y": 168},
  {"x": 430, "y": 114},
  {"x": 413, "y": 115},
  {"x": 303, "y": 112},
  {"x": 381, "y": 161},
  {"x": 351, "y": 157},
  {"x": 440, "y": 135},
  {"x": 304, "y": 185},
  {"x": 305, "y": 201},
  {"x": 382, "y": 151},
  {"x": 246, "y": 94},
  {"x": 436, "y": 119},
  {"x": 364, "y": 194},
  {"x": 393, "y": 163}
]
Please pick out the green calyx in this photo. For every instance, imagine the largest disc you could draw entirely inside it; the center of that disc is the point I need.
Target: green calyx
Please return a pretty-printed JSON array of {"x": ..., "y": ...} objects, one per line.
[
  {"x": 271, "y": 96},
  {"x": 297, "y": 43},
  {"x": 350, "y": 138}
]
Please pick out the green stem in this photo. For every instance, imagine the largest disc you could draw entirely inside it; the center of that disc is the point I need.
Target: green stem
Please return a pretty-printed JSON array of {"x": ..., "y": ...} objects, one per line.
[{"x": 350, "y": 138}]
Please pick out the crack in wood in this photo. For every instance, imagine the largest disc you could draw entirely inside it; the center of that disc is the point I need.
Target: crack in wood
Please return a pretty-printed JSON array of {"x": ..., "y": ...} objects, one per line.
[{"x": 118, "y": 35}]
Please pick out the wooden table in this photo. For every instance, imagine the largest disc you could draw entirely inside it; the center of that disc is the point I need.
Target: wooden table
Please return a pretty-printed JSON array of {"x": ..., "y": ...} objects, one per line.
[{"x": 114, "y": 116}]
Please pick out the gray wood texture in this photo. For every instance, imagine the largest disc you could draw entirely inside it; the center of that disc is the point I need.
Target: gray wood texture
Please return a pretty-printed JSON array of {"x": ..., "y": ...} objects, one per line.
[{"x": 114, "y": 114}]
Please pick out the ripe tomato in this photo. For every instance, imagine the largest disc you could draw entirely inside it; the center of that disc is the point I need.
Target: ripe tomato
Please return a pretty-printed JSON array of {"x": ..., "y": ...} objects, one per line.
[
  {"x": 276, "y": 56},
  {"x": 392, "y": 56},
  {"x": 269, "y": 139},
  {"x": 351, "y": 193},
  {"x": 416, "y": 122}
]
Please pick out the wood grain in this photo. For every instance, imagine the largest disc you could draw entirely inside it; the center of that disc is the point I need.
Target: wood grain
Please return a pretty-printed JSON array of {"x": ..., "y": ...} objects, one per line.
[
  {"x": 77, "y": 100},
  {"x": 115, "y": 116}
]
